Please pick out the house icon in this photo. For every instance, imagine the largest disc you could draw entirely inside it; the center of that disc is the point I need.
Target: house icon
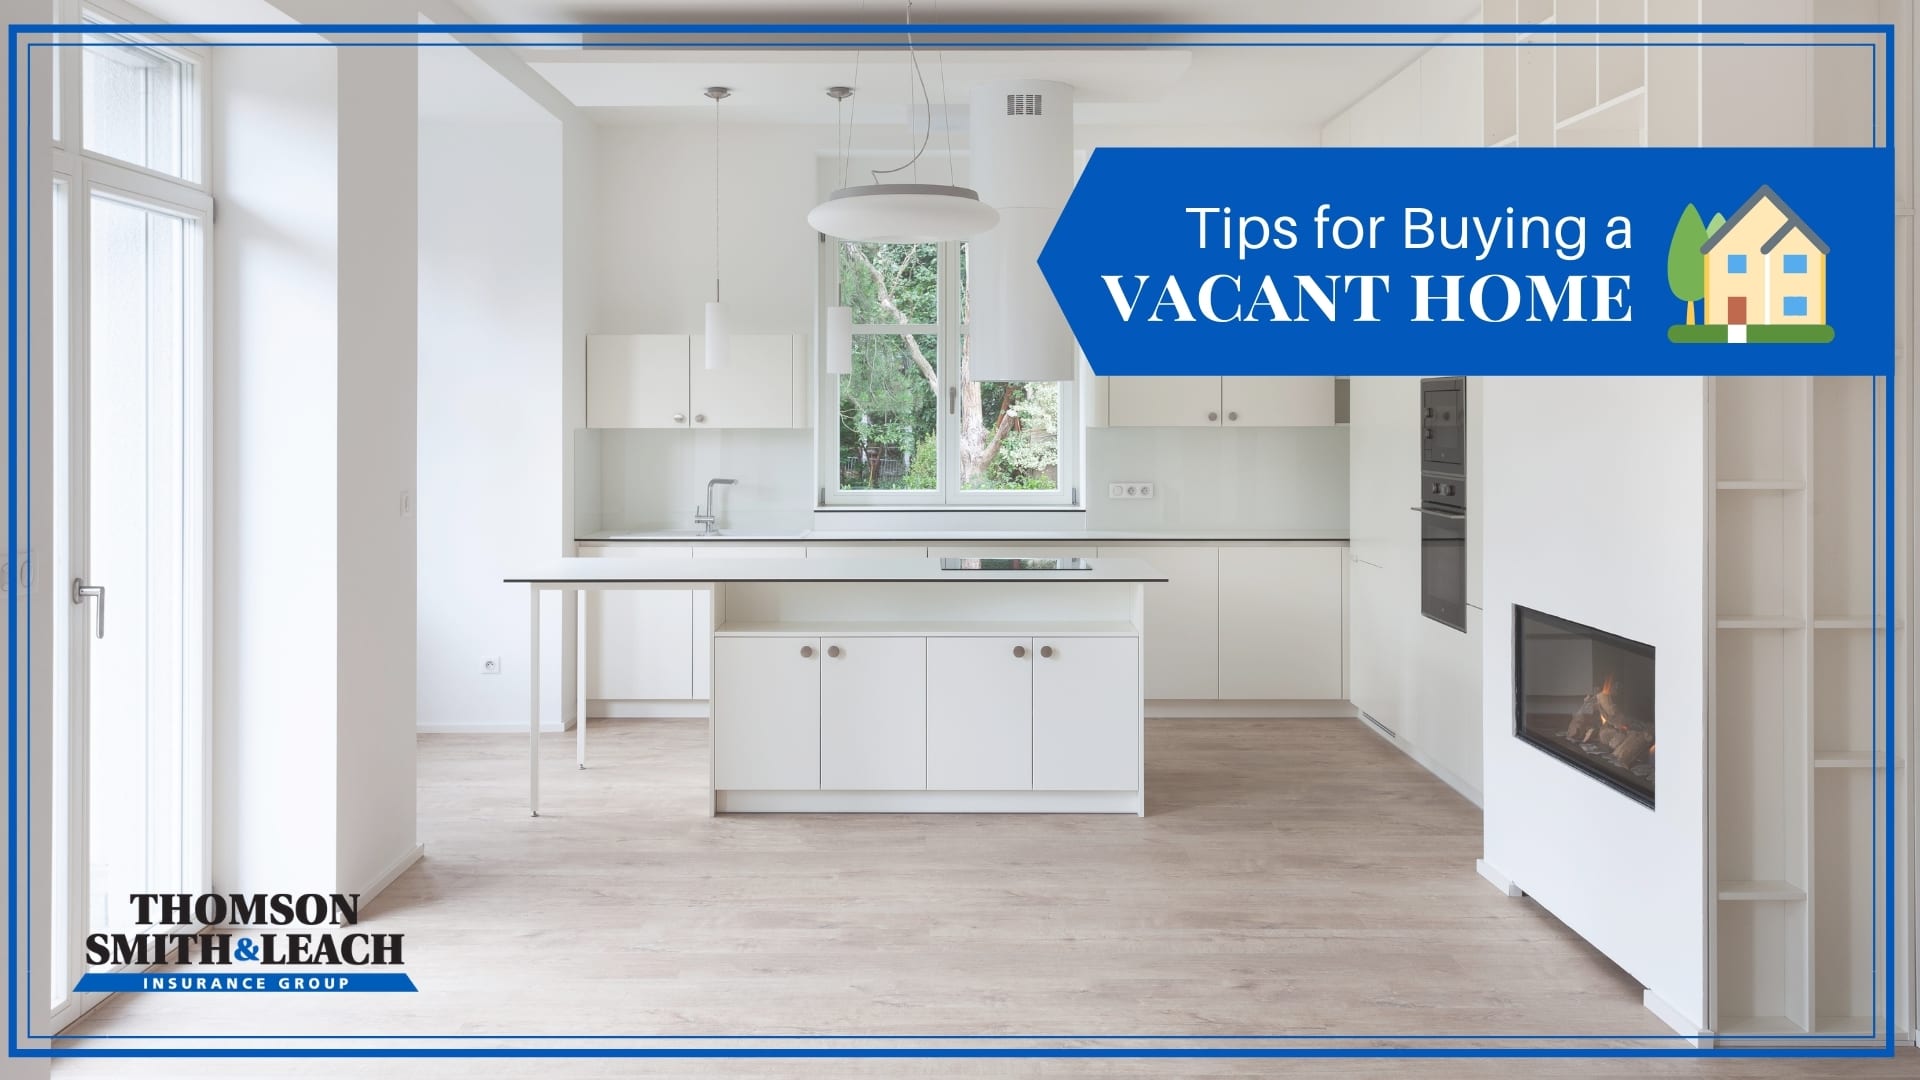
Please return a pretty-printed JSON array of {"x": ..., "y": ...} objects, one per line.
[{"x": 1766, "y": 268}]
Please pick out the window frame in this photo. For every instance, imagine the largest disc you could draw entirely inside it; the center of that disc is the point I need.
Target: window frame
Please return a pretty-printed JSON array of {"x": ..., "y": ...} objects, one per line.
[
  {"x": 196, "y": 155},
  {"x": 947, "y": 332},
  {"x": 1743, "y": 264},
  {"x": 1787, "y": 304}
]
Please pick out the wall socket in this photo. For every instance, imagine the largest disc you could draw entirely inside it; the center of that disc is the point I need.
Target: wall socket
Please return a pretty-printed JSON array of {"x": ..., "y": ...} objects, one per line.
[
  {"x": 1130, "y": 489},
  {"x": 490, "y": 666}
]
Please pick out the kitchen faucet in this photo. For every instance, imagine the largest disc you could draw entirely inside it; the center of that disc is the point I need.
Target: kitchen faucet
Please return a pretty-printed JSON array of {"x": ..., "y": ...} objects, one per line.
[{"x": 706, "y": 519}]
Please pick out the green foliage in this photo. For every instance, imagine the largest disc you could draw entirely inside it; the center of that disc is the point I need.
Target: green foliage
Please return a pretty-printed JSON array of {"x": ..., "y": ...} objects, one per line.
[
  {"x": 1686, "y": 270},
  {"x": 1713, "y": 225}
]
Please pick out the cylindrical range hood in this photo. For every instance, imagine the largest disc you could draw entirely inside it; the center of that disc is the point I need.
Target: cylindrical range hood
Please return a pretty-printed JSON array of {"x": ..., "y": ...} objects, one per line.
[{"x": 1022, "y": 165}]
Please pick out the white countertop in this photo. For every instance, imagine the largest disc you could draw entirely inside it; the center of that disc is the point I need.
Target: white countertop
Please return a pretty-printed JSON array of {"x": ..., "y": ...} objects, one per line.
[
  {"x": 702, "y": 571},
  {"x": 955, "y": 536}
]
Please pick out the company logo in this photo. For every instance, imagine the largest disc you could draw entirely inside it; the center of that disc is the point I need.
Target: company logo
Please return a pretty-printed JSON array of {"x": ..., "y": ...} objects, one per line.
[
  {"x": 281, "y": 948},
  {"x": 1759, "y": 276}
]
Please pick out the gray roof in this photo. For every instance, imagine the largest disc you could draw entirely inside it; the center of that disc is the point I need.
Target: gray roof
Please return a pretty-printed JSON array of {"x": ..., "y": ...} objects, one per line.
[{"x": 1793, "y": 222}]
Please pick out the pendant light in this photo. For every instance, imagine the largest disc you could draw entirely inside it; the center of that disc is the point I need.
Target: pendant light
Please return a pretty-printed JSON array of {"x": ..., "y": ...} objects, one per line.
[
  {"x": 909, "y": 213},
  {"x": 839, "y": 343},
  {"x": 716, "y": 311}
]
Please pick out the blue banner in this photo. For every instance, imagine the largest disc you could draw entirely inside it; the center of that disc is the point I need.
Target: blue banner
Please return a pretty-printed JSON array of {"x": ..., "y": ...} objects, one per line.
[
  {"x": 1277, "y": 261},
  {"x": 247, "y": 982}
]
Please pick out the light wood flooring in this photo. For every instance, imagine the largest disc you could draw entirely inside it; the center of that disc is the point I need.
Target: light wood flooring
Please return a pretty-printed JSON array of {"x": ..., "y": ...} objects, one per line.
[{"x": 1293, "y": 877}]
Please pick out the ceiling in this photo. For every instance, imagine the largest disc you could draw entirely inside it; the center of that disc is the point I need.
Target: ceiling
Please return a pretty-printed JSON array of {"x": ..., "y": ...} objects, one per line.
[{"x": 1175, "y": 80}]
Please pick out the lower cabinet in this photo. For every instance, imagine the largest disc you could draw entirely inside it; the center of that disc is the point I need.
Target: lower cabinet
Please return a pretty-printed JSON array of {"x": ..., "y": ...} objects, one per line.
[
  {"x": 766, "y": 710},
  {"x": 1282, "y": 623},
  {"x": 909, "y": 713},
  {"x": 980, "y": 714},
  {"x": 1086, "y": 714},
  {"x": 873, "y": 714},
  {"x": 642, "y": 640},
  {"x": 1183, "y": 621}
]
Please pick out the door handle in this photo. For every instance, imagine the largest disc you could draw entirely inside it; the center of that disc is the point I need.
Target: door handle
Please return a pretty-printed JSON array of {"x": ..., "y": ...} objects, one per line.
[
  {"x": 82, "y": 592},
  {"x": 1438, "y": 513}
]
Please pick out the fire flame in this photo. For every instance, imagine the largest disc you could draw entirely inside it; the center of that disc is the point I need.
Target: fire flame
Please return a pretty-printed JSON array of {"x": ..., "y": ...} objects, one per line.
[{"x": 1606, "y": 686}]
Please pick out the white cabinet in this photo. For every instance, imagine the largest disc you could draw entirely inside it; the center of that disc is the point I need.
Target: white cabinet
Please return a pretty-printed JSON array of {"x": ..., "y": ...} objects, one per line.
[
  {"x": 863, "y": 549},
  {"x": 661, "y": 381},
  {"x": 726, "y": 549},
  {"x": 766, "y": 714},
  {"x": 1377, "y": 660},
  {"x": 1173, "y": 401},
  {"x": 1260, "y": 401},
  {"x": 1282, "y": 623},
  {"x": 1086, "y": 714},
  {"x": 641, "y": 641},
  {"x": 1013, "y": 550},
  {"x": 762, "y": 384},
  {"x": 1183, "y": 621},
  {"x": 979, "y": 714},
  {"x": 637, "y": 380},
  {"x": 873, "y": 714},
  {"x": 1234, "y": 401}
]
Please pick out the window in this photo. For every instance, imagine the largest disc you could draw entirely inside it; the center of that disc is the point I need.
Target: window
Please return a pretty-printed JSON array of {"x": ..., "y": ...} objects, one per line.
[
  {"x": 1793, "y": 305},
  {"x": 1794, "y": 264},
  {"x": 909, "y": 425},
  {"x": 139, "y": 103},
  {"x": 1736, "y": 264}
]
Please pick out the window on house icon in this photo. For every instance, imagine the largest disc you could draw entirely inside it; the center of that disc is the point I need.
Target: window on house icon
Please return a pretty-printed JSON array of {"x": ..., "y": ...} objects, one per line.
[
  {"x": 1794, "y": 264},
  {"x": 1736, "y": 264},
  {"x": 1793, "y": 305}
]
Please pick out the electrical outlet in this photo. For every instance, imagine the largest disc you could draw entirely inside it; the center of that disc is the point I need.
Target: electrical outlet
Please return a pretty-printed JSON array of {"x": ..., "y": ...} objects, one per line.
[
  {"x": 490, "y": 666},
  {"x": 1130, "y": 489}
]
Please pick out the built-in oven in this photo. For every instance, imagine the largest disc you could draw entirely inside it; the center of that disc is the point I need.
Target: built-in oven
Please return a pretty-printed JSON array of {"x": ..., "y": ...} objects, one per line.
[{"x": 1443, "y": 501}]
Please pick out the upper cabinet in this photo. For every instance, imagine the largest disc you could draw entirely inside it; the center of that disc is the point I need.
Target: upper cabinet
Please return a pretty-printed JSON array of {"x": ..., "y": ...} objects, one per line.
[
  {"x": 1233, "y": 401},
  {"x": 658, "y": 381}
]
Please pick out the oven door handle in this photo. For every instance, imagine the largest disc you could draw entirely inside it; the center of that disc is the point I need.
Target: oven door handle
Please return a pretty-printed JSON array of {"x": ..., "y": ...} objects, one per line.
[{"x": 1438, "y": 513}]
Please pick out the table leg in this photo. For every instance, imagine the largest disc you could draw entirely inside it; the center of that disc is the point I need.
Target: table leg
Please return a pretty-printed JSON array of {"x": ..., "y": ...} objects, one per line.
[
  {"x": 533, "y": 699},
  {"x": 580, "y": 676}
]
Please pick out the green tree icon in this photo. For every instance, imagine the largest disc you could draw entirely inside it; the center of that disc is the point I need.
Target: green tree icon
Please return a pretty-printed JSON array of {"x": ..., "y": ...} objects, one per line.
[{"x": 1686, "y": 268}]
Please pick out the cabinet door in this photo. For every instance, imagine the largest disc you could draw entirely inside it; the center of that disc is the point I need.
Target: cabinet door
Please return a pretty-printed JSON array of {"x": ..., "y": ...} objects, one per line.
[
  {"x": 641, "y": 642},
  {"x": 1086, "y": 714},
  {"x": 753, "y": 390},
  {"x": 873, "y": 714},
  {"x": 1182, "y": 639},
  {"x": 1383, "y": 453},
  {"x": 637, "y": 381},
  {"x": 766, "y": 713},
  {"x": 1282, "y": 623},
  {"x": 979, "y": 714},
  {"x": 1172, "y": 401},
  {"x": 1375, "y": 656},
  {"x": 1005, "y": 550},
  {"x": 864, "y": 550},
  {"x": 1277, "y": 401}
]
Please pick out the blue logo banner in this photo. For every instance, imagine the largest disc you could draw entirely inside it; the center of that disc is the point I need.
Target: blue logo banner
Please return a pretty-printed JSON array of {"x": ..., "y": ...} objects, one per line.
[
  {"x": 247, "y": 982},
  {"x": 1294, "y": 261}
]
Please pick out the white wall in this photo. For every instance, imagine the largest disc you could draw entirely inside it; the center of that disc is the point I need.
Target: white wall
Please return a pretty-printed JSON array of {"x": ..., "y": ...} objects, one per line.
[
  {"x": 1629, "y": 879},
  {"x": 275, "y": 473},
  {"x": 1226, "y": 478},
  {"x": 491, "y": 413}
]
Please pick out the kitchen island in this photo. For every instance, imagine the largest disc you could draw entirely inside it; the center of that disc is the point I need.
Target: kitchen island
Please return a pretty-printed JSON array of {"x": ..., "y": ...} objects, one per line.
[{"x": 901, "y": 685}]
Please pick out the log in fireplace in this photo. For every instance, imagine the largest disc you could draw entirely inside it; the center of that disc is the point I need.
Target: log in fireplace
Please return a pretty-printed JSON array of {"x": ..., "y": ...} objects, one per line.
[{"x": 1586, "y": 697}]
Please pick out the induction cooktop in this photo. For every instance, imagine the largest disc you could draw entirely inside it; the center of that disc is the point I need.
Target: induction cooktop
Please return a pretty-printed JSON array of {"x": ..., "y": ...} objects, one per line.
[{"x": 1071, "y": 563}]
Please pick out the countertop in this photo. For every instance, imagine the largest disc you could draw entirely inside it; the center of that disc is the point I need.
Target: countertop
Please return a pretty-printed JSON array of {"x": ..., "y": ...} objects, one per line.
[
  {"x": 959, "y": 536},
  {"x": 701, "y": 571}
]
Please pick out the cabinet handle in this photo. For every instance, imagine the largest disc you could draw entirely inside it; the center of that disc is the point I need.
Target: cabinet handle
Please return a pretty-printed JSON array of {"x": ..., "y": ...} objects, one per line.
[
  {"x": 1046, "y": 650},
  {"x": 1233, "y": 416},
  {"x": 833, "y": 650},
  {"x": 699, "y": 418},
  {"x": 806, "y": 651},
  {"x": 1019, "y": 651},
  {"x": 679, "y": 418},
  {"x": 1213, "y": 416}
]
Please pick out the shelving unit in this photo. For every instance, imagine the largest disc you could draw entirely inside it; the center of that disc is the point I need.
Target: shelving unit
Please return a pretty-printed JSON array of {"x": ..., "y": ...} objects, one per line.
[{"x": 1794, "y": 698}]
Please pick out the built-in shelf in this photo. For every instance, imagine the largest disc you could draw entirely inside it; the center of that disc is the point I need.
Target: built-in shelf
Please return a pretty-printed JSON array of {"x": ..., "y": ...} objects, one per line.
[
  {"x": 1849, "y": 622},
  {"x": 1761, "y": 891},
  {"x": 1853, "y": 759},
  {"x": 1759, "y": 1025},
  {"x": 1759, "y": 485},
  {"x": 1764, "y": 622},
  {"x": 919, "y": 628},
  {"x": 1845, "y": 1025}
]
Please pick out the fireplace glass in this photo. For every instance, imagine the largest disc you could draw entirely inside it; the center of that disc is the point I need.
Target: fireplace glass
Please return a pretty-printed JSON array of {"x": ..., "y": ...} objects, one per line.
[{"x": 1586, "y": 697}]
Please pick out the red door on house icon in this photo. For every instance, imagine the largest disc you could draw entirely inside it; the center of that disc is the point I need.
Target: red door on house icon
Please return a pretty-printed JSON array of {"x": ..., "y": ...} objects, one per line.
[{"x": 1736, "y": 311}]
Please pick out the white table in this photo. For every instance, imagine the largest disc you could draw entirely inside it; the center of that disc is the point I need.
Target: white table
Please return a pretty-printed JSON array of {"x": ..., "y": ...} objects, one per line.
[{"x": 579, "y": 576}]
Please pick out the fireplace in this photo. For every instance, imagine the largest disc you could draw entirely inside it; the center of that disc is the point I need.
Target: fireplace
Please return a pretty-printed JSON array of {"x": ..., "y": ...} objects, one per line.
[{"x": 1586, "y": 697}]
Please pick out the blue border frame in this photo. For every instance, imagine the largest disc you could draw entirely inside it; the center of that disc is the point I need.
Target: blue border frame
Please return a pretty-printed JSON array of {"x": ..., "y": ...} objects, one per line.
[{"x": 888, "y": 33}]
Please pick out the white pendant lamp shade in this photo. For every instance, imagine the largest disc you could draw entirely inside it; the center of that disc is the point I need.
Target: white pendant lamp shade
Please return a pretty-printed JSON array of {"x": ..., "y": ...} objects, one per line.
[
  {"x": 1022, "y": 134},
  {"x": 839, "y": 340},
  {"x": 716, "y": 335},
  {"x": 903, "y": 214}
]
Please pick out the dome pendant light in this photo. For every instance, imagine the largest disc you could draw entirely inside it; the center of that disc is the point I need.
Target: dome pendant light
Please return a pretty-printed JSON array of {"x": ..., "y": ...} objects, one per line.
[
  {"x": 908, "y": 213},
  {"x": 716, "y": 321}
]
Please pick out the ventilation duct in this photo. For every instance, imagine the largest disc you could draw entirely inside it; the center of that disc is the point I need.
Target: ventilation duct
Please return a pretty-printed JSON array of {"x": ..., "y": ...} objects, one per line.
[{"x": 1022, "y": 165}]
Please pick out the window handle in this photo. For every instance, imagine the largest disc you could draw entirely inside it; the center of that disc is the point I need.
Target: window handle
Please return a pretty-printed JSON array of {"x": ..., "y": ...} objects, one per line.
[
  {"x": 953, "y": 401},
  {"x": 82, "y": 592}
]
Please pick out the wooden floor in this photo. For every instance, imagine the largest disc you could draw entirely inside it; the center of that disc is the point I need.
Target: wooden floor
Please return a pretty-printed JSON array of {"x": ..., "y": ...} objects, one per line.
[{"x": 1294, "y": 877}]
